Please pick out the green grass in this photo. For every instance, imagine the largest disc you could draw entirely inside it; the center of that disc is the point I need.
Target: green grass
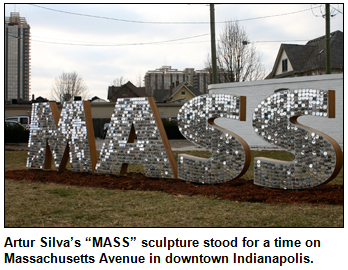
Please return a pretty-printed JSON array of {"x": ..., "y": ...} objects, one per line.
[
  {"x": 31, "y": 204},
  {"x": 15, "y": 160}
]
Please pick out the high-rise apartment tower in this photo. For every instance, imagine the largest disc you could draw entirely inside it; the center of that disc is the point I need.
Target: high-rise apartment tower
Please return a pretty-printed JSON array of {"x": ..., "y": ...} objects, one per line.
[
  {"x": 17, "y": 57},
  {"x": 162, "y": 78}
]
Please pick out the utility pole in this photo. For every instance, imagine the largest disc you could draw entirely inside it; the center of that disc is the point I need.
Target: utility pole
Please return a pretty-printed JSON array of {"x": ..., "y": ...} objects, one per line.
[
  {"x": 213, "y": 46},
  {"x": 327, "y": 39}
]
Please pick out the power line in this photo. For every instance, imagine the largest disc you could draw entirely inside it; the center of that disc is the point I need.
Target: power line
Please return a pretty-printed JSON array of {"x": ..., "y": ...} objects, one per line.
[
  {"x": 111, "y": 45},
  {"x": 269, "y": 16},
  {"x": 151, "y": 43},
  {"x": 104, "y": 43},
  {"x": 319, "y": 9},
  {"x": 336, "y": 9},
  {"x": 322, "y": 13},
  {"x": 144, "y": 22},
  {"x": 114, "y": 19}
]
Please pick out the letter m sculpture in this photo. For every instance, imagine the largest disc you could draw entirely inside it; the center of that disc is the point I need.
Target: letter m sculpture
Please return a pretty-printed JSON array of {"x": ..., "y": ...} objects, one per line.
[{"x": 70, "y": 135}]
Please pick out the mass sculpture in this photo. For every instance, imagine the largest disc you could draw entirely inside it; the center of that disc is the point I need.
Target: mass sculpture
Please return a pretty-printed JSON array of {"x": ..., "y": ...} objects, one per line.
[{"x": 136, "y": 136}]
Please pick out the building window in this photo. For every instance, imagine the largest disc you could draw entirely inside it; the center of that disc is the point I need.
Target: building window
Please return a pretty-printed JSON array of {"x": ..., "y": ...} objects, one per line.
[
  {"x": 285, "y": 65},
  {"x": 183, "y": 93}
]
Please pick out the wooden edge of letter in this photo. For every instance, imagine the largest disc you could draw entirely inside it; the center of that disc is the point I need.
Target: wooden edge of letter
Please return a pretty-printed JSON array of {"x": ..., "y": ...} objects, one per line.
[
  {"x": 90, "y": 134},
  {"x": 338, "y": 150},
  {"x": 242, "y": 111},
  {"x": 55, "y": 112},
  {"x": 332, "y": 104},
  {"x": 48, "y": 157},
  {"x": 243, "y": 143},
  {"x": 335, "y": 145},
  {"x": 65, "y": 159},
  {"x": 242, "y": 117},
  {"x": 164, "y": 137}
]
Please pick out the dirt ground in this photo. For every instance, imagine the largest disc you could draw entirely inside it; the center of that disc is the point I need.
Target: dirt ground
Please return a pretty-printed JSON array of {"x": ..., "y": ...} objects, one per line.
[{"x": 237, "y": 190}]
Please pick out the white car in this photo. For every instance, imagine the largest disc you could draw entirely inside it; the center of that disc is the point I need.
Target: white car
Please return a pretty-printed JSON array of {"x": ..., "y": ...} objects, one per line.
[{"x": 22, "y": 119}]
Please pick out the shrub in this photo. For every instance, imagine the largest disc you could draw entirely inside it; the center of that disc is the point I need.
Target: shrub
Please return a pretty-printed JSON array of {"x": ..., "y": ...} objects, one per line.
[
  {"x": 16, "y": 134},
  {"x": 172, "y": 130}
]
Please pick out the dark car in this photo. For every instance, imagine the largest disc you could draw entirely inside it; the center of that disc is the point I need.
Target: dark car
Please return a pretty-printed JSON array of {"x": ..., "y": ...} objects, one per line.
[
  {"x": 15, "y": 125},
  {"x": 173, "y": 119},
  {"x": 16, "y": 132}
]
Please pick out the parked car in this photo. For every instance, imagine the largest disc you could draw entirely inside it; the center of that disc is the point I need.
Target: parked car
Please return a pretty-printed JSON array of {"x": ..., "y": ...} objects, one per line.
[
  {"x": 13, "y": 124},
  {"x": 104, "y": 130},
  {"x": 174, "y": 119},
  {"x": 22, "y": 119},
  {"x": 16, "y": 132}
]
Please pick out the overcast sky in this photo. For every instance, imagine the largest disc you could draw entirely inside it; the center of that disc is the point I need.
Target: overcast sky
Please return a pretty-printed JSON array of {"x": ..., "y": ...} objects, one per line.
[{"x": 54, "y": 29}]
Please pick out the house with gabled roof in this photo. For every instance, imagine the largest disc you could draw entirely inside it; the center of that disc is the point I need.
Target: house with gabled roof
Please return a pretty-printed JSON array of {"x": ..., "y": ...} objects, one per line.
[
  {"x": 295, "y": 60},
  {"x": 127, "y": 90},
  {"x": 178, "y": 93},
  {"x": 183, "y": 92},
  {"x": 161, "y": 95},
  {"x": 97, "y": 99}
]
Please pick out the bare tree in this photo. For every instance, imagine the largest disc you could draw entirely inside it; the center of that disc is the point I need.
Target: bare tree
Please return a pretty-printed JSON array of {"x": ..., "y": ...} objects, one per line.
[
  {"x": 120, "y": 81},
  {"x": 68, "y": 85},
  {"x": 139, "y": 79},
  {"x": 237, "y": 59}
]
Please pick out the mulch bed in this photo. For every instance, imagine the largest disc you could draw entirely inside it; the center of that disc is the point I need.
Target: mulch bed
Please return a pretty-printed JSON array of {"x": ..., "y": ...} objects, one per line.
[{"x": 237, "y": 190}]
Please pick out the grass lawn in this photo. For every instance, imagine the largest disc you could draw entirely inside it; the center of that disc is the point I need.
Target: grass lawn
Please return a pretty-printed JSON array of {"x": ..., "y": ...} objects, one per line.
[{"x": 31, "y": 204}]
